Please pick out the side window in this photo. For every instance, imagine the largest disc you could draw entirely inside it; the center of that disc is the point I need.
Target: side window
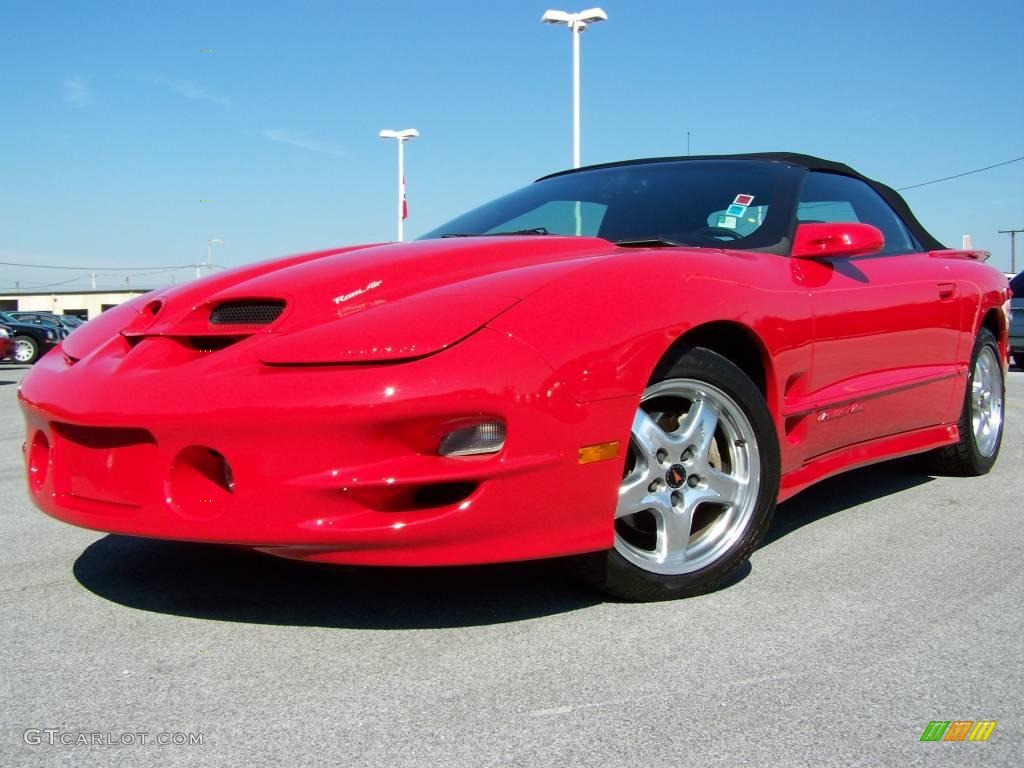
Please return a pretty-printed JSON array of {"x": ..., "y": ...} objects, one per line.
[{"x": 831, "y": 197}]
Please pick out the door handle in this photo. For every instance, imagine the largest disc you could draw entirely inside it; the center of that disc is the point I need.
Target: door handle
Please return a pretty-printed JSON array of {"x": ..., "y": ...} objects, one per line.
[{"x": 947, "y": 290}]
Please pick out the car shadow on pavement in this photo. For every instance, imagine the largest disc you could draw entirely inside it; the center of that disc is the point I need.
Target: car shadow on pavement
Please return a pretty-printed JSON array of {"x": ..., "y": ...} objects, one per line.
[
  {"x": 844, "y": 491},
  {"x": 233, "y": 584}
]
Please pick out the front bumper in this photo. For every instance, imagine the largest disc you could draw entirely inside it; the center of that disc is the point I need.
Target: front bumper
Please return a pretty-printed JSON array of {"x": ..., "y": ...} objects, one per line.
[{"x": 329, "y": 463}]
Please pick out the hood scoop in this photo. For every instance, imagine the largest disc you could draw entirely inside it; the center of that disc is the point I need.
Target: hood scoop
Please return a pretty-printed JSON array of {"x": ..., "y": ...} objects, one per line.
[{"x": 246, "y": 312}]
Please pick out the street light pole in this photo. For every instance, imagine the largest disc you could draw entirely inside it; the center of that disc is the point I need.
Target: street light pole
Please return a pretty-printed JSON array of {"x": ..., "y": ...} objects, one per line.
[
  {"x": 577, "y": 23},
  {"x": 401, "y": 137},
  {"x": 209, "y": 252},
  {"x": 577, "y": 29},
  {"x": 1013, "y": 246}
]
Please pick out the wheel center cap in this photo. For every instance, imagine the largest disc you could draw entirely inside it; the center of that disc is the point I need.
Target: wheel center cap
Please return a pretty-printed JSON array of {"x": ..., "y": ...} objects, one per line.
[{"x": 675, "y": 476}]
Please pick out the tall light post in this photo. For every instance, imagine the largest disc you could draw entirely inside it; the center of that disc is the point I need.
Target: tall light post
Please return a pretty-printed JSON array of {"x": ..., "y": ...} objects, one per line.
[
  {"x": 577, "y": 23},
  {"x": 1013, "y": 246},
  {"x": 209, "y": 252},
  {"x": 401, "y": 137}
]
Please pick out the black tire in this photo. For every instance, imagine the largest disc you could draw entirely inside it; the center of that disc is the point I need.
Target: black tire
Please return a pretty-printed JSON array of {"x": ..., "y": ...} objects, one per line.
[
  {"x": 31, "y": 344},
  {"x": 1018, "y": 360},
  {"x": 622, "y": 578},
  {"x": 965, "y": 459}
]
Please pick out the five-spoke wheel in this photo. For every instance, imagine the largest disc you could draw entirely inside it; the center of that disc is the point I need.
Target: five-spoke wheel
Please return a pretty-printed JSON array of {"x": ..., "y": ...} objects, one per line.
[
  {"x": 691, "y": 477},
  {"x": 698, "y": 486},
  {"x": 981, "y": 417}
]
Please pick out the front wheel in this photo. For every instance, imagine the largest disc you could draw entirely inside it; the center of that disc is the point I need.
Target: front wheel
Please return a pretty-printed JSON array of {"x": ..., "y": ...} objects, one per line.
[
  {"x": 699, "y": 483},
  {"x": 26, "y": 350}
]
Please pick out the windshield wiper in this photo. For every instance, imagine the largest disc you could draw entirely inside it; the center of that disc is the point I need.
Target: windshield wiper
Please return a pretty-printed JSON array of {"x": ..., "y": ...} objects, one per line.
[
  {"x": 652, "y": 242},
  {"x": 534, "y": 231}
]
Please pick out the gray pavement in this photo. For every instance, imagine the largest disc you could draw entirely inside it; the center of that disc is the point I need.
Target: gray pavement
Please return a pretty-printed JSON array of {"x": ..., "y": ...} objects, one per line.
[{"x": 883, "y": 599}]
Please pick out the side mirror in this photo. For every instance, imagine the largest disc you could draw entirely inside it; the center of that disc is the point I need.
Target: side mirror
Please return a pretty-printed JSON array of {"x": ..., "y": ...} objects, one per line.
[{"x": 814, "y": 241}]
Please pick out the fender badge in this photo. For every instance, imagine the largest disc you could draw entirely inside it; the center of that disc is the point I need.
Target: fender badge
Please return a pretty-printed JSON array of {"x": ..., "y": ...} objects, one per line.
[
  {"x": 837, "y": 413},
  {"x": 358, "y": 292}
]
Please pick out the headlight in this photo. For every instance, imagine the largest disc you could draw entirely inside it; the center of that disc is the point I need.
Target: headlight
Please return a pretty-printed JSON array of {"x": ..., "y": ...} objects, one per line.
[
  {"x": 486, "y": 437},
  {"x": 4, "y": 334},
  {"x": 50, "y": 335}
]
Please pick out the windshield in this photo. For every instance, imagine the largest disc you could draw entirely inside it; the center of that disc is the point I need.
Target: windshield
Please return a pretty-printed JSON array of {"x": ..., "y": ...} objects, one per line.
[{"x": 716, "y": 203}]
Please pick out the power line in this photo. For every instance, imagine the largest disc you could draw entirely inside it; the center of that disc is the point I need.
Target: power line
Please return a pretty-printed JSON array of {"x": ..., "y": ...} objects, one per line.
[
  {"x": 98, "y": 269},
  {"x": 958, "y": 175},
  {"x": 53, "y": 285}
]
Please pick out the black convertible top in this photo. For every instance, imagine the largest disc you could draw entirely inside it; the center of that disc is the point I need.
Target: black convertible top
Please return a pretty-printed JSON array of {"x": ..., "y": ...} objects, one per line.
[{"x": 809, "y": 162}]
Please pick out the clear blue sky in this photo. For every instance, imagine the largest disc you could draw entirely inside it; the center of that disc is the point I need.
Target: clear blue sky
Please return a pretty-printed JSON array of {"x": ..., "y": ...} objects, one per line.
[{"x": 115, "y": 124}]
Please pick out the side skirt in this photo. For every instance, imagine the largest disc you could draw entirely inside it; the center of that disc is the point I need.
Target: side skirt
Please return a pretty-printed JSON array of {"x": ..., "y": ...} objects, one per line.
[{"x": 863, "y": 454}]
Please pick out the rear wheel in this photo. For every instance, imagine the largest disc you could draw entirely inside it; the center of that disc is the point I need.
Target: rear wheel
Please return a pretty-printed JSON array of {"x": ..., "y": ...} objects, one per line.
[
  {"x": 26, "y": 350},
  {"x": 981, "y": 418},
  {"x": 698, "y": 487}
]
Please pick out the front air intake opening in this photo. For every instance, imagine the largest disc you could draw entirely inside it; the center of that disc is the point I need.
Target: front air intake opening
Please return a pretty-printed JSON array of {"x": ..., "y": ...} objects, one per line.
[
  {"x": 415, "y": 498},
  {"x": 441, "y": 494},
  {"x": 210, "y": 343},
  {"x": 200, "y": 483},
  {"x": 247, "y": 312}
]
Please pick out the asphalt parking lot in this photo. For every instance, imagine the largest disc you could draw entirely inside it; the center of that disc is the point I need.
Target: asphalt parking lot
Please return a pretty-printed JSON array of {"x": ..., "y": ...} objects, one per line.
[{"x": 882, "y": 600}]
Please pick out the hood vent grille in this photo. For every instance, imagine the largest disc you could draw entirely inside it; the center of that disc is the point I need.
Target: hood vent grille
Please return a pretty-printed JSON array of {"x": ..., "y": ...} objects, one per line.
[{"x": 246, "y": 312}]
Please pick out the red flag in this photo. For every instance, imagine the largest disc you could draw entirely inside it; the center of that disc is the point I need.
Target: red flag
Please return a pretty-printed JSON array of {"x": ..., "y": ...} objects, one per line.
[{"x": 405, "y": 203}]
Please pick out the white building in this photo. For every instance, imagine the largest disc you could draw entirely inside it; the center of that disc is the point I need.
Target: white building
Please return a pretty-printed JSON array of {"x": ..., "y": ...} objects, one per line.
[{"x": 85, "y": 304}]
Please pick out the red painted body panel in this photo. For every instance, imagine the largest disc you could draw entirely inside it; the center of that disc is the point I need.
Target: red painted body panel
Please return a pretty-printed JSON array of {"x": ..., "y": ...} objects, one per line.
[
  {"x": 329, "y": 417},
  {"x": 326, "y": 460}
]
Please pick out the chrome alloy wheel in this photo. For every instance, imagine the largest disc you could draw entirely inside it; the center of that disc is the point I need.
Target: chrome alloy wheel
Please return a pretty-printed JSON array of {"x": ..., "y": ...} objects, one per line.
[
  {"x": 23, "y": 351},
  {"x": 690, "y": 484},
  {"x": 987, "y": 401}
]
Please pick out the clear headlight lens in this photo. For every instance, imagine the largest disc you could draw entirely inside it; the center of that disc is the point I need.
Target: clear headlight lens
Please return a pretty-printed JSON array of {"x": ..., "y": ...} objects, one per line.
[
  {"x": 4, "y": 334},
  {"x": 486, "y": 437},
  {"x": 50, "y": 335}
]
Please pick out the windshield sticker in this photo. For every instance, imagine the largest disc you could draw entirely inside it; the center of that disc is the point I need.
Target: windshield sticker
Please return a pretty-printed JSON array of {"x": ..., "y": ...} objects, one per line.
[
  {"x": 736, "y": 210},
  {"x": 726, "y": 222},
  {"x": 743, "y": 200}
]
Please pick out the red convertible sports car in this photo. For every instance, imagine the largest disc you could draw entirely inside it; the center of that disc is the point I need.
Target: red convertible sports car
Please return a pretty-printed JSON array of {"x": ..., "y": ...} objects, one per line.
[{"x": 630, "y": 362}]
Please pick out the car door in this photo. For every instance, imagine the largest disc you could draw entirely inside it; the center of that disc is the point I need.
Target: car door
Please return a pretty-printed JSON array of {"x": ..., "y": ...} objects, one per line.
[{"x": 886, "y": 325}]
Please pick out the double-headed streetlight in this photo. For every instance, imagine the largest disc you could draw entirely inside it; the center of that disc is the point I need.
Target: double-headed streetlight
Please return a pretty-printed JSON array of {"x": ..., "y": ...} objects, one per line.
[
  {"x": 577, "y": 23},
  {"x": 401, "y": 137}
]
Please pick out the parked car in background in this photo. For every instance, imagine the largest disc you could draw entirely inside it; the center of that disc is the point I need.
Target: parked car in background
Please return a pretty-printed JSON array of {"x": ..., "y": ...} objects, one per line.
[
  {"x": 1017, "y": 320},
  {"x": 6, "y": 342},
  {"x": 31, "y": 341},
  {"x": 67, "y": 322}
]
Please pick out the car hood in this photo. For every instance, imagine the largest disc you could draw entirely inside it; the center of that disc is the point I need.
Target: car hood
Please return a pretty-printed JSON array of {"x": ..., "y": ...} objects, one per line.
[{"x": 368, "y": 303}]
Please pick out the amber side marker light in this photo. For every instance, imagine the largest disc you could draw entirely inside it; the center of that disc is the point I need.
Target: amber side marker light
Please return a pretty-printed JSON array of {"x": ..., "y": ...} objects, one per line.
[{"x": 600, "y": 452}]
